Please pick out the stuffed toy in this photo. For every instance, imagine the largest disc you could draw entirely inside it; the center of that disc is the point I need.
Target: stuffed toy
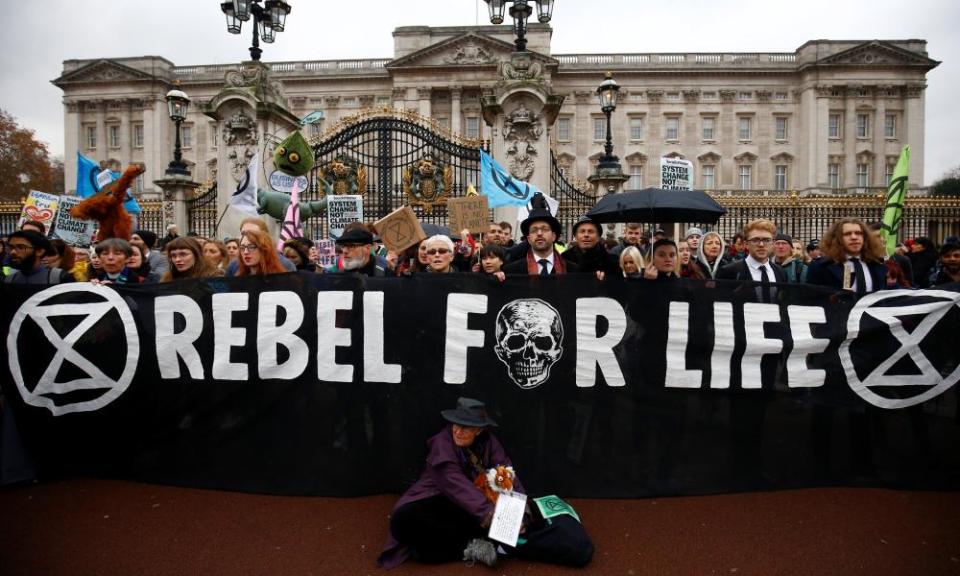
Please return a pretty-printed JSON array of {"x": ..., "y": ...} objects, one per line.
[
  {"x": 293, "y": 157},
  {"x": 106, "y": 207},
  {"x": 496, "y": 481}
]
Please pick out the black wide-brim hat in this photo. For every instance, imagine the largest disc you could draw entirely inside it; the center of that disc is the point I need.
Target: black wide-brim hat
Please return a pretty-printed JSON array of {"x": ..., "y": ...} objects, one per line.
[
  {"x": 469, "y": 412},
  {"x": 355, "y": 236}
]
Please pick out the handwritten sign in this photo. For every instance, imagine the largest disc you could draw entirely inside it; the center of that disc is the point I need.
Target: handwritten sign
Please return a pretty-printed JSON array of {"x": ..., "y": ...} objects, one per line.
[
  {"x": 69, "y": 229},
  {"x": 342, "y": 210},
  {"x": 400, "y": 229},
  {"x": 326, "y": 253},
  {"x": 471, "y": 212},
  {"x": 508, "y": 518},
  {"x": 40, "y": 207}
]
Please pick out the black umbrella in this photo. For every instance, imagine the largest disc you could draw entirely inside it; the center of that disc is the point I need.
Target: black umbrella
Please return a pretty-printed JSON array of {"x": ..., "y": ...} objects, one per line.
[{"x": 657, "y": 205}]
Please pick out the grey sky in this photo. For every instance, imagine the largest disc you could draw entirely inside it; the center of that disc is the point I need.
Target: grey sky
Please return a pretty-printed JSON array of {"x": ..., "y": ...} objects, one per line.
[{"x": 40, "y": 34}]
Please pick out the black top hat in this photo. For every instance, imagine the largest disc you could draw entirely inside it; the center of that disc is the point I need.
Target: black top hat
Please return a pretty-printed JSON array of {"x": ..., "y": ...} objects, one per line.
[
  {"x": 469, "y": 412},
  {"x": 355, "y": 236},
  {"x": 539, "y": 210}
]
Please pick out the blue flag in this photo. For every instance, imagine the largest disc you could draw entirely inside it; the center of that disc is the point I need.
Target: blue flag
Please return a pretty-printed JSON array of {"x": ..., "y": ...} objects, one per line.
[
  {"x": 88, "y": 173},
  {"x": 500, "y": 187}
]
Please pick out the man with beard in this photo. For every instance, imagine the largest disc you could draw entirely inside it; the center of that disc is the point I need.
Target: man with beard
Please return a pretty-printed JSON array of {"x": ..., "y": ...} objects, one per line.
[
  {"x": 27, "y": 249},
  {"x": 541, "y": 230},
  {"x": 356, "y": 246},
  {"x": 587, "y": 252},
  {"x": 949, "y": 269}
]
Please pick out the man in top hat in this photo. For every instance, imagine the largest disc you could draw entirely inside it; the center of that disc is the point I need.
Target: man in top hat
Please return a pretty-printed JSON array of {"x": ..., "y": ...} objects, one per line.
[
  {"x": 588, "y": 252},
  {"x": 356, "y": 253},
  {"x": 541, "y": 230}
]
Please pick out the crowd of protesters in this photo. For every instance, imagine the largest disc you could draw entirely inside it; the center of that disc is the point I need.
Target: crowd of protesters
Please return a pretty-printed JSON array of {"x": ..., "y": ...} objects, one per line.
[{"x": 849, "y": 256}]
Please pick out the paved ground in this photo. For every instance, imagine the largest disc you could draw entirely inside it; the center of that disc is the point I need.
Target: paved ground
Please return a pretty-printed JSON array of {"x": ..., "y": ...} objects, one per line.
[{"x": 82, "y": 527}]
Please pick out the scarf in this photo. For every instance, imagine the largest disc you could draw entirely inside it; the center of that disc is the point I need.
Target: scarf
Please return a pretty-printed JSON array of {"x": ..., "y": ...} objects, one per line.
[{"x": 533, "y": 268}]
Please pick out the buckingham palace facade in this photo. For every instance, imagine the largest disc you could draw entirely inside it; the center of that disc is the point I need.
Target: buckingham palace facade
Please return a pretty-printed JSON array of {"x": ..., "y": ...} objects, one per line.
[{"x": 831, "y": 116}]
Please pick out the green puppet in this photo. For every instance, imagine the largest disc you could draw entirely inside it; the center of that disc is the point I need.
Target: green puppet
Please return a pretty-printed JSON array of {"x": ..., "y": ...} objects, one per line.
[{"x": 293, "y": 157}]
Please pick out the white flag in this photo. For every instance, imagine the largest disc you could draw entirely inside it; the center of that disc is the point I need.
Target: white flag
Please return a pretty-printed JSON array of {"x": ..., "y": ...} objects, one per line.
[{"x": 245, "y": 197}]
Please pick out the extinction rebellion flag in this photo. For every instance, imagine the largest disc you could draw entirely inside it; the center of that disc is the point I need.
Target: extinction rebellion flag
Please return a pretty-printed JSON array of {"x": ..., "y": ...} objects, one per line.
[{"x": 330, "y": 384}]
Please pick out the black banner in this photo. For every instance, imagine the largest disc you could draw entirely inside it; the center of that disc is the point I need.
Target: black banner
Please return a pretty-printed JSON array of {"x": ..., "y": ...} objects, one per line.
[{"x": 329, "y": 385}]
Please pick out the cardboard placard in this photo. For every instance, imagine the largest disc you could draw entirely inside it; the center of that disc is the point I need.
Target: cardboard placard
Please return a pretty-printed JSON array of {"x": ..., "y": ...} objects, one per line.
[
  {"x": 69, "y": 229},
  {"x": 40, "y": 207},
  {"x": 471, "y": 212},
  {"x": 326, "y": 253},
  {"x": 400, "y": 229}
]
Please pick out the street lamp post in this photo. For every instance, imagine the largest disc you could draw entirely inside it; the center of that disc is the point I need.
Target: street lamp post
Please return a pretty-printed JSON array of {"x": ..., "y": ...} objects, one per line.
[
  {"x": 177, "y": 104},
  {"x": 609, "y": 176},
  {"x": 267, "y": 20},
  {"x": 520, "y": 11}
]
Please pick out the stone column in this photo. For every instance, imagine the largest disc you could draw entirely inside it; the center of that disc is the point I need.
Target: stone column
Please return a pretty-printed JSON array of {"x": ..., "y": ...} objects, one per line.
[
  {"x": 728, "y": 175},
  {"x": 816, "y": 103},
  {"x": 915, "y": 117},
  {"x": 583, "y": 131},
  {"x": 399, "y": 98},
  {"x": 423, "y": 95},
  {"x": 456, "y": 122},
  {"x": 850, "y": 140},
  {"x": 157, "y": 144},
  {"x": 176, "y": 190},
  {"x": 103, "y": 151},
  {"x": 125, "y": 151},
  {"x": 71, "y": 142},
  {"x": 331, "y": 104},
  {"x": 879, "y": 138}
]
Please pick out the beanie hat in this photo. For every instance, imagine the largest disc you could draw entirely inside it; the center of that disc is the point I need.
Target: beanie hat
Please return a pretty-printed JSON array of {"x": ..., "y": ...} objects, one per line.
[
  {"x": 782, "y": 236},
  {"x": 148, "y": 237},
  {"x": 693, "y": 231}
]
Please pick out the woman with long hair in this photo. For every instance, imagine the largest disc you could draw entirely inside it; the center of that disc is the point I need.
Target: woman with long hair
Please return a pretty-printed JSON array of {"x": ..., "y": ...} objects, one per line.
[
  {"x": 631, "y": 262},
  {"x": 216, "y": 253},
  {"x": 137, "y": 263},
  {"x": 61, "y": 256},
  {"x": 258, "y": 256},
  {"x": 185, "y": 255}
]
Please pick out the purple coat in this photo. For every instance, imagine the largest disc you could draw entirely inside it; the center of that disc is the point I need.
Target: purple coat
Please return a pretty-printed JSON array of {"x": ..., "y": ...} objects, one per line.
[{"x": 449, "y": 472}]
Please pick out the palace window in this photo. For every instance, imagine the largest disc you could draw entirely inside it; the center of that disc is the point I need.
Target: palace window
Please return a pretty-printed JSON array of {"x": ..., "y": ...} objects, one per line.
[
  {"x": 744, "y": 95},
  {"x": 709, "y": 180},
  {"x": 473, "y": 127},
  {"x": 709, "y": 123},
  {"x": 779, "y": 95},
  {"x": 744, "y": 132},
  {"x": 780, "y": 132},
  {"x": 888, "y": 174},
  {"x": 863, "y": 175},
  {"x": 673, "y": 128},
  {"x": 745, "y": 176},
  {"x": 673, "y": 96},
  {"x": 563, "y": 129},
  {"x": 636, "y": 178},
  {"x": 833, "y": 176},
  {"x": 138, "y": 184},
  {"x": 138, "y": 135},
  {"x": 890, "y": 126},
  {"x": 863, "y": 125},
  {"x": 113, "y": 136},
  {"x": 186, "y": 136},
  {"x": 780, "y": 177},
  {"x": 636, "y": 128},
  {"x": 91, "y": 137},
  {"x": 835, "y": 129},
  {"x": 599, "y": 129},
  {"x": 708, "y": 96}
]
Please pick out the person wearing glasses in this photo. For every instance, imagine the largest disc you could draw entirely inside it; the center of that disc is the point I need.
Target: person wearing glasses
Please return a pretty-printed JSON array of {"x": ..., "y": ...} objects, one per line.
[
  {"x": 258, "y": 256},
  {"x": 187, "y": 260},
  {"x": 356, "y": 253},
  {"x": 439, "y": 250},
  {"x": 541, "y": 231},
  {"x": 27, "y": 250},
  {"x": 757, "y": 266}
]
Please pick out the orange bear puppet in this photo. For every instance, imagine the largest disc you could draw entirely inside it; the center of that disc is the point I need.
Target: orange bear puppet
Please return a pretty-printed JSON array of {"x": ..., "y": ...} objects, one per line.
[
  {"x": 496, "y": 481},
  {"x": 106, "y": 207}
]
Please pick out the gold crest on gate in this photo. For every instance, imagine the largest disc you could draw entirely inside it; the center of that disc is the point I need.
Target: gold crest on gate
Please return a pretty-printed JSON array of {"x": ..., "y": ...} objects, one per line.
[
  {"x": 342, "y": 176},
  {"x": 427, "y": 183}
]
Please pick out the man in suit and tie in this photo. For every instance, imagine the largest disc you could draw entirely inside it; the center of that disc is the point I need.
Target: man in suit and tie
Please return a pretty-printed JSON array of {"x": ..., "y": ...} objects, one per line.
[
  {"x": 852, "y": 259},
  {"x": 541, "y": 230},
  {"x": 757, "y": 266}
]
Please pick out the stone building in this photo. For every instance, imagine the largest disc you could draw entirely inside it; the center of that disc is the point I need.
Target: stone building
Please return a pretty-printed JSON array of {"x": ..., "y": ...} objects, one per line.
[{"x": 832, "y": 115}]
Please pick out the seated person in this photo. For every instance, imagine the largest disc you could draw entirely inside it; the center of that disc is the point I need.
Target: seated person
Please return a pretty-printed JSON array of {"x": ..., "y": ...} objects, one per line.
[{"x": 444, "y": 517}]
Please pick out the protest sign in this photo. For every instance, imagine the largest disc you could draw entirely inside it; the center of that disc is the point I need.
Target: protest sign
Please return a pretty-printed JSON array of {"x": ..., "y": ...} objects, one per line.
[
  {"x": 326, "y": 253},
  {"x": 69, "y": 229},
  {"x": 470, "y": 212},
  {"x": 342, "y": 210},
  {"x": 284, "y": 182},
  {"x": 400, "y": 229},
  {"x": 40, "y": 207},
  {"x": 676, "y": 174}
]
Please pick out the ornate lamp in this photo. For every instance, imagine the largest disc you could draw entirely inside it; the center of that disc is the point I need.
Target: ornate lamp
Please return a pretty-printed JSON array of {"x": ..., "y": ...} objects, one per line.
[
  {"x": 177, "y": 105},
  {"x": 609, "y": 176},
  {"x": 520, "y": 11},
  {"x": 267, "y": 20}
]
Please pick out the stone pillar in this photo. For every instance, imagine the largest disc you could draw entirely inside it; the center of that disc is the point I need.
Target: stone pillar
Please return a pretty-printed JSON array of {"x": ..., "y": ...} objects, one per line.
[
  {"x": 399, "y": 98},
  {"x": 177, "y": 189},
  {"x": 423, "y": 96},
  {"x": 817, "y": 105},
  {"x": 915, "y": 118},
  {"x": 456, "y": 122},
  {"x": 583, "y": 131},
  {"x": 157, "y": 144},
  {"x": 103, "y": 151},
  {"x": 331, "y": 103},
  {"x": 72, "y": 137},
  {"x": 879, "y": 139},
  {"x": 850, "y": 140},
  {"x": 125, "y": 150}
]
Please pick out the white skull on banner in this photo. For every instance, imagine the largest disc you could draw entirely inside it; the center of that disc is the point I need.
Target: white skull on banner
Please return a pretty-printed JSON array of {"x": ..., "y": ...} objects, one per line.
[{"x": 529, "y": 338}]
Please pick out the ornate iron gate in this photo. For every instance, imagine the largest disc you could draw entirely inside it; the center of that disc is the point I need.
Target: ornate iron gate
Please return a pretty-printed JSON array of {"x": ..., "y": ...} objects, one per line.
[
  {"x": 574, "y": 202},
  {"x": 392, "y": 158},
  {"x": 202, "y": 212}
]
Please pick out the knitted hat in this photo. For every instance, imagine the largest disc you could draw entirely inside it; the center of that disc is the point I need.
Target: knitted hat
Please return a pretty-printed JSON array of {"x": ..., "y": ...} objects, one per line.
[{"x": 782, "y": 236}]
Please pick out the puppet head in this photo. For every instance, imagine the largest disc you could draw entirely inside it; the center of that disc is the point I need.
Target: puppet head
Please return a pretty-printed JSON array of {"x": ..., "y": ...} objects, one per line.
[{"x": 293, "y": 156}]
